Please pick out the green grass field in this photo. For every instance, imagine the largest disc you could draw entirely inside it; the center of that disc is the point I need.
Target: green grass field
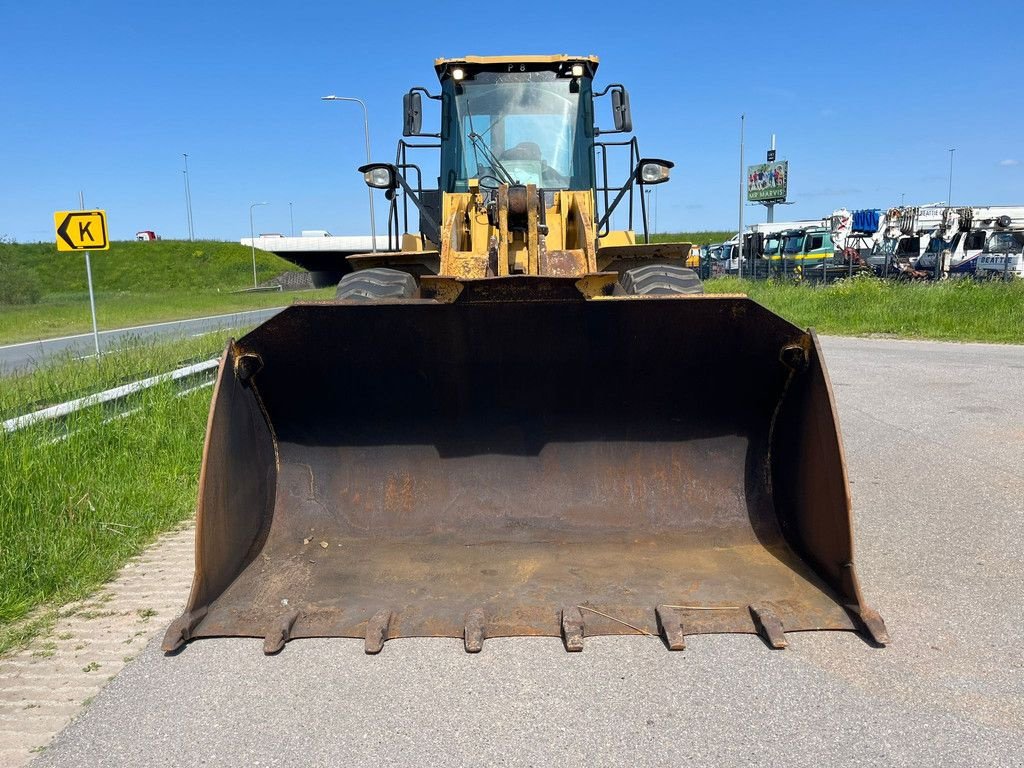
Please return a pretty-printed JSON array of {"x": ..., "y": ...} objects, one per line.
[
  {"x": 954, "y": 310},
  {"x": 74, "y": 508},
  {"x": 697, "y": 238},
  {"x": 135, "y": 283}
]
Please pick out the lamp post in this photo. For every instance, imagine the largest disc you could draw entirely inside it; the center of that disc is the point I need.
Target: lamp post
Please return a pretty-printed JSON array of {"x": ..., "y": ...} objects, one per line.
[
  {"x": 743, "y": 177},
  {"x": 366, "y": 135},
  {"x": 949, "y": 194},
  {"x": 252, "y": 240},
  {"x": 291, "y": 217},
  {"x": 188, "y": 200}
]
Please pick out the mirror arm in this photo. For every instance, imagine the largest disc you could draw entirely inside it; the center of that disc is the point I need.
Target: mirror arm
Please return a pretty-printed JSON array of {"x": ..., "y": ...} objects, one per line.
[{"x": 426, "y": 93}]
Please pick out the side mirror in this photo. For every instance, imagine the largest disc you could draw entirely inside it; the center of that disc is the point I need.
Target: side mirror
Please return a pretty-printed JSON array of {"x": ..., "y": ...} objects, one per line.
[
  {"x": 652, "y": 171},
  {"x": 620, "y": 110},
  {"x": 380, "y": 175},
  {"x": 412, "y": 104}
]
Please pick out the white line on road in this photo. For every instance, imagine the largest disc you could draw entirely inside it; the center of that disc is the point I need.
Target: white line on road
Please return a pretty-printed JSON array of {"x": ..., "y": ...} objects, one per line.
[{"x": 139, "y": 327}]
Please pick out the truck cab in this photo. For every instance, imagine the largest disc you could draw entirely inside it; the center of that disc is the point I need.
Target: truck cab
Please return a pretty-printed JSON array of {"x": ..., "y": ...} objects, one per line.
[
  {"x": 1003, "y": 255},
  {"x": 804, "y": 247}
]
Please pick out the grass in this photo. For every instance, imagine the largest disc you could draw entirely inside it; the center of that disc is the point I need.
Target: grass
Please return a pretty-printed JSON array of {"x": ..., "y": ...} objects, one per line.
[
  {"x": 135, "y": 283},
  {"x": 79, "y": 499},
  {"x": 68, "y": 314},
  {"x": 953, "y": 310},
  {"x": 697, "y": 238}
]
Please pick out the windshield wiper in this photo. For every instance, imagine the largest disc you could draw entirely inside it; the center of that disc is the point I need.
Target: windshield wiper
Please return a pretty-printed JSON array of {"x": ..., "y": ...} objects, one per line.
[{"x": 477, "y": 141}]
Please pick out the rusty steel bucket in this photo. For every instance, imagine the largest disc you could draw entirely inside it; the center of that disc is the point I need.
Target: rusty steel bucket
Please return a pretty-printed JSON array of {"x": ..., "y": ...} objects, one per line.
[{"x": 667, "y": 466}]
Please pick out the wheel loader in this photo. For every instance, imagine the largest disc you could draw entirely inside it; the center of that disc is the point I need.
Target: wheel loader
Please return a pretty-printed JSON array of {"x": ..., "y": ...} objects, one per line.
[{"x": 492, "y": 431}]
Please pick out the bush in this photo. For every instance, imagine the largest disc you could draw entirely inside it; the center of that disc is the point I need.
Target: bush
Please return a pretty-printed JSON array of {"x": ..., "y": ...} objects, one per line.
[{"x": 18, "y": 284}]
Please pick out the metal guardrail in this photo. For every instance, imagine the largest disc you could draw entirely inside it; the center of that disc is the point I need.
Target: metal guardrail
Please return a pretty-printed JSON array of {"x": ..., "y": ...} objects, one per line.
[{"x": 106, "y": 396}]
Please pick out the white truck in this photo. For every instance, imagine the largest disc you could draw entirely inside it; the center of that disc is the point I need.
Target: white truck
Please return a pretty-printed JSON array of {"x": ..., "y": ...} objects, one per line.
[
  {"x": 1003, "y": 254},
  {"x": 962, "y": 235},
  {"x": 904, "y": 234}
]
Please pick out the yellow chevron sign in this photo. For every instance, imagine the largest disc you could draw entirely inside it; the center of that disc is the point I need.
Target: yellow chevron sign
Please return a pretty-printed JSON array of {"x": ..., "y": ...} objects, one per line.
[{"x": 81, "y": 230}]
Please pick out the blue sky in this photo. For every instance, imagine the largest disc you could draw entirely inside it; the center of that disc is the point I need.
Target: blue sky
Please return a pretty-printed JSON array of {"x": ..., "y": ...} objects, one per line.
[{"x": 866, "y": 101}]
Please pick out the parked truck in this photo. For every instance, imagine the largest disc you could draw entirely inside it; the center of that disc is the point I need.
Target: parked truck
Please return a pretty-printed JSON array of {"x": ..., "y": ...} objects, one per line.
[
  {"x": 961, "y": 236},
  {"x": 904, "y": 235},
  {"x": 1003, "y": 254}
]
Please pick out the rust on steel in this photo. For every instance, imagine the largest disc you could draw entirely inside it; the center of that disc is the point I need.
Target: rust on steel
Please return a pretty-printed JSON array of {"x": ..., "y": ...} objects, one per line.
[
  {"x": 476, "y": 631},
  {"x": 671, "y": 625},
  {"x": 406, "y": 468}
]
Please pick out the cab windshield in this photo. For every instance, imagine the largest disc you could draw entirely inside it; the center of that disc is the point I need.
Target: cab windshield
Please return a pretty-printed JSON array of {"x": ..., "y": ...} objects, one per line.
[
  {"x": 1005, "y": 242},
  {"x": 793, "y": 243},
  {"x": 522, "y": 127},
  {"x": 888, "y": 246},
  {"x": 937, "y": 244}
]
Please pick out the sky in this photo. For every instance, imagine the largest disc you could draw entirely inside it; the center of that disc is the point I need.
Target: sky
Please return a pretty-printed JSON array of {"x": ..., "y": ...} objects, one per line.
[{"x": 866, "y": 100}]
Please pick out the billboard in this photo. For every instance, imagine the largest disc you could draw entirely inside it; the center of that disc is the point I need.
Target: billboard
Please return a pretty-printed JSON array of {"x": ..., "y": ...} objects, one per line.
[{"x": 767, "y": 182}]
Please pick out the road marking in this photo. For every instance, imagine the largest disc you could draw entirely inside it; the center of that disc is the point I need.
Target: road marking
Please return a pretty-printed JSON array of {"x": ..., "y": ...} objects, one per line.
[{"x": 139, "y": 327}]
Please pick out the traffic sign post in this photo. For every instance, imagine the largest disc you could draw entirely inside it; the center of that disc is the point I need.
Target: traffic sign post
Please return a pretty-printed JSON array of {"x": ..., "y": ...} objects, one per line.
[{"x": 83, "y": 231}]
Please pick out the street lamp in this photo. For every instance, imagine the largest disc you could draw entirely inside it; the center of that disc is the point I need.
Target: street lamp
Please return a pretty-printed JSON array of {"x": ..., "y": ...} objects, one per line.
[
  {"x": 252, "y": 240},
  {"x": 949, "y": 195},
  {"x": 366, "y": 134},
  {"x": 291, "y": 217},
  {"x": 188, "y": 200}
]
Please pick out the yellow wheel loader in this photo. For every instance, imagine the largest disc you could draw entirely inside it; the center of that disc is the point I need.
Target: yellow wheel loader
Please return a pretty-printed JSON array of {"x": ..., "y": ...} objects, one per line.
[{"x": 491, "y": 431}]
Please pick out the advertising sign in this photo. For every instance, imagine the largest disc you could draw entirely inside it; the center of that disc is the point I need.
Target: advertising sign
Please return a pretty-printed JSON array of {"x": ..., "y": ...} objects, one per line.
[{"x": 767, "y": 182}]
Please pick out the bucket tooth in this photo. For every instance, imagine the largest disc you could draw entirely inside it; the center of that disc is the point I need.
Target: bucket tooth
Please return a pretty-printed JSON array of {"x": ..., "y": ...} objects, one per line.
[
  {"x": 869, "y": 619},
  {"x": 279, "y": 633},
  {"x": 180, "y": 631},
  {"x": 572, "y": 629},
  {"x": 377, "y": 631},
  {"x": 769, "y": 625},
  {"x": 475, "y": 631},
  {"x": 671, "y": 625},
  {"x": 873, "y": 625}
]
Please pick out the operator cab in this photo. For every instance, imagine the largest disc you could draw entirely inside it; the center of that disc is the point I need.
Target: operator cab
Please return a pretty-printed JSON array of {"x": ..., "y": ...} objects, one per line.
[{"x": 517, "y": 123}]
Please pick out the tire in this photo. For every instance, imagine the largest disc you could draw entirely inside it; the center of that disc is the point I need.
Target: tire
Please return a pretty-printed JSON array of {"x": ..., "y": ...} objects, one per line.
[
  {"x": 374, "y": 284},
  {"x": 660, "y": 280}
]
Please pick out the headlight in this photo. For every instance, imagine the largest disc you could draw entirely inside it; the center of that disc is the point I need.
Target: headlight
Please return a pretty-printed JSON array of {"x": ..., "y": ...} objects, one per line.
[
  {"x": 654, "y": 171},
  {"x": 379, "y": 175}
]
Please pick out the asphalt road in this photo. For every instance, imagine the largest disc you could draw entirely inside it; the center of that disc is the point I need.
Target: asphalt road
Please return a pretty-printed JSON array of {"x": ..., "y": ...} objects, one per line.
[
  {"x": 934, "y": 436},
  {"x": 28, "y": 354}
]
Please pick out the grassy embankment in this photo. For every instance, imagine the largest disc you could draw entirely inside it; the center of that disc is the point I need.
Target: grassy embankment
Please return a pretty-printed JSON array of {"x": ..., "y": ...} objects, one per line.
[
  {"x": 953, "y": 310},
  {"x": 135, "y": 283},
  {"x": 697, "y": 238},
  {"x": 79, "y": 498}
]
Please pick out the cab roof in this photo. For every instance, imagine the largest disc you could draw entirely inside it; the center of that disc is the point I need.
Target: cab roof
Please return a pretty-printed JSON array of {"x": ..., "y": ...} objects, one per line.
[{"x": 494, "y": 62}]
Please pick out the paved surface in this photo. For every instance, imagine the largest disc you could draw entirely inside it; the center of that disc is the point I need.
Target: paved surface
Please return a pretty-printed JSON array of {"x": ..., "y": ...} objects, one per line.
[
  {"x": 934, "y": 434},
  {"x": 27, "y": 354},
  {"x": 43, "y": 687}
]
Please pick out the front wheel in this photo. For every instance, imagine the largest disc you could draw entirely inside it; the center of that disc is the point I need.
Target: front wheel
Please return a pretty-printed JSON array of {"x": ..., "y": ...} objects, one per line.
[{"x": 660, "y": 280}]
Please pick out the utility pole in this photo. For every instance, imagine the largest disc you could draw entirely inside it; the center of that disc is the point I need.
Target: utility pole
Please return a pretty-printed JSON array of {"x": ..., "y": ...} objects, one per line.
[
  {"x": 188, "y": 200},
  {"x": 949, "y": 194},
  {"x": 743, "y": 179}
]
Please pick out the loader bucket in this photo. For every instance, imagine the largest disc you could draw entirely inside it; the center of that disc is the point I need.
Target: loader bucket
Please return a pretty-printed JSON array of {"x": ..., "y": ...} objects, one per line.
[{"x": 663, "y": 466}]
